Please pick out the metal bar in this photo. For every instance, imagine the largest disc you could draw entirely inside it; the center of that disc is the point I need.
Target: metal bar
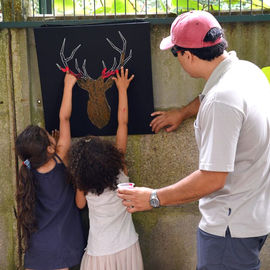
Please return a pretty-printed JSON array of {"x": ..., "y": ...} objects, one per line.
[
  {"x": 125, "y": 7},
  {"x": 64, "y": 8},
  {"x": 135, "y": 7},
  {"x": 23, "y": 10},
  {"x": 53, "y": 8},
  {"x": 104, "y": 7},
  {"x": 44, "y": 7},
  {"x": 13, "y": 11},
  {"x": 145, "y": 2},
  {"x": 95, "y": 8},
  {"x": 241, "y": 7},
  {"x": 3, "y": 11},
  {"x": 74, "y": 8},
  {"x": 84, "y": 8},
  {"x": 33, "y": 7},
  {"x": 114, "y": 8},
  {"x": 165, "y": 20}
]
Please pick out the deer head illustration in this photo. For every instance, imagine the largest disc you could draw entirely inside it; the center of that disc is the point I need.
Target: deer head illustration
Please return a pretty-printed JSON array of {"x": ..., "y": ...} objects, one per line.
[{"x": 98, "y": 109}]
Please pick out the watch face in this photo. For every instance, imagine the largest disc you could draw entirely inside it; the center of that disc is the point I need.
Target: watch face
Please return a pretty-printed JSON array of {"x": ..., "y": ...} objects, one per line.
[{"x": 154, "y": 202}]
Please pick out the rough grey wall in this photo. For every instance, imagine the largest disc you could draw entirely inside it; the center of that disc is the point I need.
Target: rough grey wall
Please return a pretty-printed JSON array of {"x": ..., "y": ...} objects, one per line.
[
  {"x": 167, "y": 235},
  {"x": 14, "y": 115}
]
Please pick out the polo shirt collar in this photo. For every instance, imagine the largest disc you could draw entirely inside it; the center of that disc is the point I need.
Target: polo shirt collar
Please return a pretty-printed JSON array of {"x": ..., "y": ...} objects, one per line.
[{"x": 218, "y": 72}]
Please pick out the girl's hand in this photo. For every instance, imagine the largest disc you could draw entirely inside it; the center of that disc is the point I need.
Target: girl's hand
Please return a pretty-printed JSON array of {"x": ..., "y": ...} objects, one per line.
[
  {"x": 70, "y": 80},
  {"x": 121, "y": 79},
  {"x": 55, "y": 134}
]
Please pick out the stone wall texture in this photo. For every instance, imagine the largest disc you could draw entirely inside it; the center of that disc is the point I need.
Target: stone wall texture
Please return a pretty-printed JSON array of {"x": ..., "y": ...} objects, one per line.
[{"x": 167, "y": 235}]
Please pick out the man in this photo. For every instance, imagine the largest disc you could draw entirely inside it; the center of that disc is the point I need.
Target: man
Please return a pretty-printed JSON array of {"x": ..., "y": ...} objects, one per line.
[{"x": 232, "y": 130}]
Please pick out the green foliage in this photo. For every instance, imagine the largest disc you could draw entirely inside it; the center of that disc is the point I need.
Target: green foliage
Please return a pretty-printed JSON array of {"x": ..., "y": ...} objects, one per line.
[
  {"x": 111, "y": 7},
  {"x": 266, "y": 71},
  {"x": 185, "y": 5},
  {"x": 60, "y": 5},
  {"x": 116, "y": 6}
]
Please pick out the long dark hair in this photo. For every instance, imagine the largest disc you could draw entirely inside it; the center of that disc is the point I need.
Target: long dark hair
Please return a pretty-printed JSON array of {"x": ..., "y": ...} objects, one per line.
[
  {"x": 31, "y": 145},
  {"x": 94, "y": 165}
]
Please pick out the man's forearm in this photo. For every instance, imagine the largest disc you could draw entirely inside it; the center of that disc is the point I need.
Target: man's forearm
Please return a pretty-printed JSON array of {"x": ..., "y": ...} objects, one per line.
[
  {"x": 192, "y": 188},
  {"x": 191, "y": 109}
]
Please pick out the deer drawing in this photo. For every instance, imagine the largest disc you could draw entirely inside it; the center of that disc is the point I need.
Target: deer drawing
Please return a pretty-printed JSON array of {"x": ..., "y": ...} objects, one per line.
[{"x": 98, "y": 109}]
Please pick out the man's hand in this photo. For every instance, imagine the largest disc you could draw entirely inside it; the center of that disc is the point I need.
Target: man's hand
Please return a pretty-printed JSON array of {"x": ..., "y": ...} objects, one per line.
[
  {"x": 136, "y": 199},
  {"x": 170, "y": 120}
]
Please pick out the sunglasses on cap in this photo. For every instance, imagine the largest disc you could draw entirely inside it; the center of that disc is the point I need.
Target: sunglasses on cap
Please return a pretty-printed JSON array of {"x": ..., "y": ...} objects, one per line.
[{"x": 175, "y": 50}]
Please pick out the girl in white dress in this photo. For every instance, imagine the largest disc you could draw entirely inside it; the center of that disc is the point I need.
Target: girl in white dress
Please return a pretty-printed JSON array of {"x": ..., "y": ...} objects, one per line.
[{"x": 97, "y": 166}]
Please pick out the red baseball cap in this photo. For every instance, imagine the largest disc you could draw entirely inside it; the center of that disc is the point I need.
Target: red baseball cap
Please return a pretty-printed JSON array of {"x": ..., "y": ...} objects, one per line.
[{"x": 189, "y": 29}]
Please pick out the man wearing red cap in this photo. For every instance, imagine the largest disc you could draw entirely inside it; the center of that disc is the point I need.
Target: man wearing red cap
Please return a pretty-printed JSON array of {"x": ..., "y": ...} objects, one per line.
[{"x": 232, "y": 131}]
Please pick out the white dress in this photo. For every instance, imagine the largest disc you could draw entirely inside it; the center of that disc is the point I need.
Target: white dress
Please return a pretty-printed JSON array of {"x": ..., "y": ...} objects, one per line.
[{"x": 112, "y": 240}]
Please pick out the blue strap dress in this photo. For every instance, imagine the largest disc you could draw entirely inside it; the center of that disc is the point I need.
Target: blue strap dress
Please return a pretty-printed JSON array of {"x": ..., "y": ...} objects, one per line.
[{"x": 59, "y": 241}]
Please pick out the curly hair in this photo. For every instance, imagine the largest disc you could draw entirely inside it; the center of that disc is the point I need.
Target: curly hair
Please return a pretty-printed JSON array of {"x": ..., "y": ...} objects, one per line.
[
  {"x": 95, "y": 165},
  {"x": 31, "y": 144}
]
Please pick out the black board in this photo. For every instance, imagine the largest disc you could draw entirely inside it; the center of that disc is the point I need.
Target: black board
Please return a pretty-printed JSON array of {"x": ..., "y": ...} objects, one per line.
[{"x": 95, "y": 48}]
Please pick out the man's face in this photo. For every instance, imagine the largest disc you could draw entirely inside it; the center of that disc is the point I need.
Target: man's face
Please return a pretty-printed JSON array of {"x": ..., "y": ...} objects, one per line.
[{"x": 188, "y": 62}]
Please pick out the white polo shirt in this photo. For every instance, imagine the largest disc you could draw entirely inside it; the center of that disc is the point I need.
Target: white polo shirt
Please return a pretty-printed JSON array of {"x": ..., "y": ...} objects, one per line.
[{"x": 232, "y": 131}]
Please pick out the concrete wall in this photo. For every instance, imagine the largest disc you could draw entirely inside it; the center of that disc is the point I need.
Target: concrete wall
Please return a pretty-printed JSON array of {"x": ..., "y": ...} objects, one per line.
[{"x": 167, "y": 235}]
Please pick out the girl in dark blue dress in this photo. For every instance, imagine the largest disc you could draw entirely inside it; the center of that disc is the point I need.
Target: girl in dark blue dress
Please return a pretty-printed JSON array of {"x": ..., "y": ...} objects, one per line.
[{"x": 49, "y": 226}]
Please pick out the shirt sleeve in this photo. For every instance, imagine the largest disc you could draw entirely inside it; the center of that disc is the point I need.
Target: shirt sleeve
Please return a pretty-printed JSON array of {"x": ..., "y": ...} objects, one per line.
[{"x": 220, "y": 127}]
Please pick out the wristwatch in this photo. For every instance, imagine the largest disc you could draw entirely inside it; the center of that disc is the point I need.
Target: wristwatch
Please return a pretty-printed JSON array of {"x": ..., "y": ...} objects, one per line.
[{"x": 154, "y": 201}]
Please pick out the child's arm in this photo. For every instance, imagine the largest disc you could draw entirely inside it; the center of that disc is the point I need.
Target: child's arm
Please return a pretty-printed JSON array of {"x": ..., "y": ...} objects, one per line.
[
  {"x": 122, "y": 83},
  {"x": 80, "y": 199},
  {"x": 64, "y": 140}
]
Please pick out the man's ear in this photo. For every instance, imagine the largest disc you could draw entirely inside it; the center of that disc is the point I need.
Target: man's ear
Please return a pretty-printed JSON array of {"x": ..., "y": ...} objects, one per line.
[
  {"x": 50, "y": 149},
  {"x": 189, "y": 56}
]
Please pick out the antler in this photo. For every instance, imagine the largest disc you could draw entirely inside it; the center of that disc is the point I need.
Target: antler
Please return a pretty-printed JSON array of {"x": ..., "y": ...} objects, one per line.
[
  {"x": 83, "y": 74},
  {"x": 122, "y": 60},
  {"x": 66, "y": 60},
  {"x": 105, "y": 74}
]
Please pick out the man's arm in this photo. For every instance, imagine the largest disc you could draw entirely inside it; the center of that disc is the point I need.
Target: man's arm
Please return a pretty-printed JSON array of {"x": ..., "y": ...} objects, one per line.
[
  {"x": 191, "y": 188},
  {"x": 170, "y": 120}
]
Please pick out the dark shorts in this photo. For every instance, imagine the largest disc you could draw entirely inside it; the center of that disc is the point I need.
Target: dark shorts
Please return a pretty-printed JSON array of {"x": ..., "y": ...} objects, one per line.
[{"x": 227, "y": 253}]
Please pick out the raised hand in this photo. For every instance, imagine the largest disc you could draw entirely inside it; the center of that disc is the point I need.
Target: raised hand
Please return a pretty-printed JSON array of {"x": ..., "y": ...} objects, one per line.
[
  {"x": 121, "y": 80},
  {"x": 70, "y": 80},
  {"x": 55, "y": 134}
]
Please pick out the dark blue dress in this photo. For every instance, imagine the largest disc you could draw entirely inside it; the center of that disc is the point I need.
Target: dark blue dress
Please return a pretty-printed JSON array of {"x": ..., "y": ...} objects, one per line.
[{"x": 59, "y": 241}]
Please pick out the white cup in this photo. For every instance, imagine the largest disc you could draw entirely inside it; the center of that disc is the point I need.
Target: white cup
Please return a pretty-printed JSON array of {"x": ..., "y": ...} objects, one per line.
[{"x": 127, "y": 185}]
